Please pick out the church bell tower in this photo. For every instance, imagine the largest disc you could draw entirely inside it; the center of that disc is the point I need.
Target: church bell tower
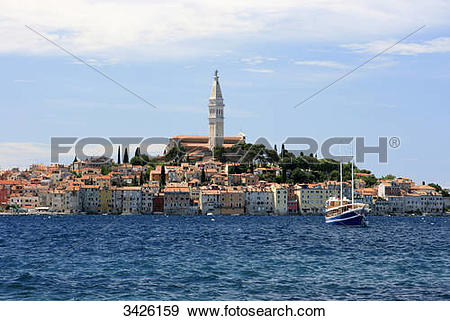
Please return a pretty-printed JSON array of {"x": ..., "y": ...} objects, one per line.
[{"x": 216, "y": 114}]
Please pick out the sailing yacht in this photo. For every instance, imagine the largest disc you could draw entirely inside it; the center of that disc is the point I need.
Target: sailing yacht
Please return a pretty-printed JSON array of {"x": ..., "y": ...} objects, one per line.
[{"x": 341, "y": 211}]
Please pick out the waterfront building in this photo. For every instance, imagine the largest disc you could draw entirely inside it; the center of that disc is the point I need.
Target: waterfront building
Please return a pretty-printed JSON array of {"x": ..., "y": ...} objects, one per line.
[
  {"x": 366, "y": 195},
  {"x": 232, "y": 201},
  {"x": 312, "y": 198},
  {"x": 57, "y": 201},
  {"x": 408, "y": 204},
  {"x": 105, "y": 200},
  {"x": 27, "y": 200},
  {"x": 446, "y": 203},
  {"x": 158, "y": 203},
  {"x": 177, "y": 200},
  {"x": 4, "y": 197},
  {"x": 72, "y": 200},
  {"x": 147, "y": 195},
  {"x": 209, "y": 200},
  {"x": 292, "y": 200},
  {"x": 259, "y": 200},
  {"x": 131, "y": 199},
  {"x": 90, "y": 198},
  {"x": 280, "y": 199}
]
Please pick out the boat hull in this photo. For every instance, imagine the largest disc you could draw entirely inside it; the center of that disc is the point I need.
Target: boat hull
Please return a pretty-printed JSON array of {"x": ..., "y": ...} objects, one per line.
[{"x": 355, "y": 217}]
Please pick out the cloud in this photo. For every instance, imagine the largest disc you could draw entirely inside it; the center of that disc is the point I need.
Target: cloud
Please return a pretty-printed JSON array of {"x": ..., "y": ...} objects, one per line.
[
  {"x": 264, "y": 71},
  {"x": 24, "y": 81},
  {"x": 322, "y": 63},
  {"x": 257, "y": 60},
  {"x": 23, "y": 154},
  {"x": 437, "y": 45},
  {"x": 98, "y": 62},
  {"x": 137, "y": 29}
]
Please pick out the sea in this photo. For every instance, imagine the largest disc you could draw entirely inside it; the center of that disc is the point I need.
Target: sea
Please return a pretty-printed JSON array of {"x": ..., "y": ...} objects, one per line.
[{"x": 125, "y": 257}]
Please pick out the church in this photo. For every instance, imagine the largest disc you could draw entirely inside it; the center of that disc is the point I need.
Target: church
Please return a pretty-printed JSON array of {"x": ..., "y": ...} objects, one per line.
[{"x": 198, "y": 146}]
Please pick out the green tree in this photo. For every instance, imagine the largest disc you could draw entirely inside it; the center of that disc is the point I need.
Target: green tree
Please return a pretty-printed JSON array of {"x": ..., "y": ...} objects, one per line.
[
  {"x": 162, "y": 178},
  {"x": 203, "y": 176},
  {"x": 439, "y": 189},
  {"x": 370, "y": 181},
  {"x": 219, "y": 153},
  {"x": 141, "y": 178},
  {"x": 283, "y": 174},
  {"x": 118, "y": 156},
  {"x": 105, "y": 170},
  {"x": 388, "y": 177},
  {"x": 125, "y": 156},
  {"x": 136, "y": 160}
]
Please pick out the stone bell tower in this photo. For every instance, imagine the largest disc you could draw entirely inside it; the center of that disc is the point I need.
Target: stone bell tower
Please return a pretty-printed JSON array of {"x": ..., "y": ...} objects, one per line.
[{"x": 216, "y": 114}]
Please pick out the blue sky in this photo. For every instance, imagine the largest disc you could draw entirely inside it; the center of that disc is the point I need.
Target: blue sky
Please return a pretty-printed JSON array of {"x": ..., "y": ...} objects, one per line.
[{"x": 270, "y": 56}]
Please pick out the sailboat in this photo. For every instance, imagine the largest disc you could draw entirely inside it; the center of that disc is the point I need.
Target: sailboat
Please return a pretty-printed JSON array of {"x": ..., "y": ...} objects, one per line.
[{"x": 340, "y": 211}]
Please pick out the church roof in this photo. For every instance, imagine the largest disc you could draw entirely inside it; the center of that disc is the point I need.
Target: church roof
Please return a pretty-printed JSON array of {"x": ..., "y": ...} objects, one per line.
[
  {"x": 202, "y": 138},
  {"x": 216, "y": 92}
]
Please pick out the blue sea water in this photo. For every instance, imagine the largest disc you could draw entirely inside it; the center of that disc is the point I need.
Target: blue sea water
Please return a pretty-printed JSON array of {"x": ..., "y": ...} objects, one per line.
[{"x": 86, "y": 257}]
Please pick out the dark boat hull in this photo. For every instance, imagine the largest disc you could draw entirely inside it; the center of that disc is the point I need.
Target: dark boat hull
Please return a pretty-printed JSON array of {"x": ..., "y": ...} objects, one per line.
[{"x": 350, "y": 218}]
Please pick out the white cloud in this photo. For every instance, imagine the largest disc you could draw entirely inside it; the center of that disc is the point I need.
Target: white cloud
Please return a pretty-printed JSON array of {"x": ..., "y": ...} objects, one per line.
[
  {"x": 137, "y": 29},
  {"x": 264, "y": 71},
  {"x": 322, "y": 63},
  {"x": 98, "y": 62},
  {"x": 257, "y": 60},
  {"x": 24, "y": 81},
  {"x": 437, "y": 45},
  {"x": 23, "y": 154}
]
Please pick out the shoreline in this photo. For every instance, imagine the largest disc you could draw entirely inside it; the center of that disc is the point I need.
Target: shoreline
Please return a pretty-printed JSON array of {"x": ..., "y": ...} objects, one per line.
[{"x": 443, "y": 214}]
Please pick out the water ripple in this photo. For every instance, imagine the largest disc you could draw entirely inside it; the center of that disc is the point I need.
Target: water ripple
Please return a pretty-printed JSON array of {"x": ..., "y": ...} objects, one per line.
[{"x": 232, "y": 258}]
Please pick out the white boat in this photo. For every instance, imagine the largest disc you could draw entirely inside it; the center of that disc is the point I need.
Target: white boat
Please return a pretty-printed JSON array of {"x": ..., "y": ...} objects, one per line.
[{"x": 341, "y": 211}]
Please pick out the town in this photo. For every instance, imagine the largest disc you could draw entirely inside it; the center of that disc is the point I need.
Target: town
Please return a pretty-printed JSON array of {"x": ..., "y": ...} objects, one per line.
[
  {"x": 215, "y": 174},
  {"x": 204, "y": 187}
]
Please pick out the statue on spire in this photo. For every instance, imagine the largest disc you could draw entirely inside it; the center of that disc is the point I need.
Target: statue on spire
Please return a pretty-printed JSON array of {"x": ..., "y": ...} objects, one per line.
[{"x": 215, "y": 73}]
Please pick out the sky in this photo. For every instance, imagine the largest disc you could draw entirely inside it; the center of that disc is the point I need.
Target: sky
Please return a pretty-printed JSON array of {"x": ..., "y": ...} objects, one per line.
[{"x": 271, "y": 55}]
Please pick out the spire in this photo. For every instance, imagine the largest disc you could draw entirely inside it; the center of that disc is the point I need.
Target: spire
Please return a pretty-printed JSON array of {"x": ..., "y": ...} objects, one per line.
[{"x": 216, "y": 93}]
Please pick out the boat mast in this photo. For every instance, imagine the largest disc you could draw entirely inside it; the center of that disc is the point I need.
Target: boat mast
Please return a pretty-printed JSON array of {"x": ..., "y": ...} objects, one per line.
[
  {"x": 353, "y": 185},
  {"x": 340, "y": 173}
]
